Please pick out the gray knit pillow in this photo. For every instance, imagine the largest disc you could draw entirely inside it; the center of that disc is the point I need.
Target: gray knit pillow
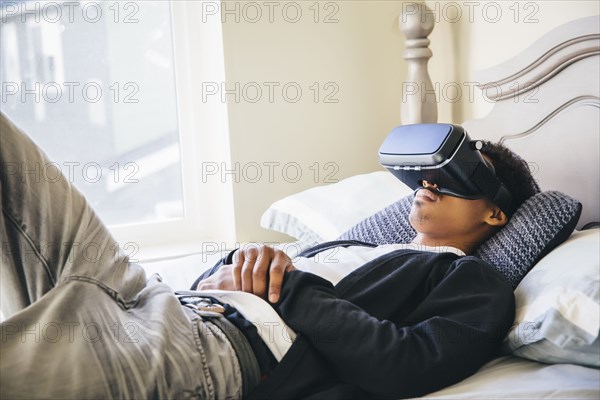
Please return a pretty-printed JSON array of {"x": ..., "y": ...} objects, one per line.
[
  {"x": 541, "y": 223},
  {"x": 389, "y": 225}
]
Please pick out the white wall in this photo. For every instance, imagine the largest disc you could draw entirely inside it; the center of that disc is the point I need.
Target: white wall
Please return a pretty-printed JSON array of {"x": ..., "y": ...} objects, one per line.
[{"x": 359, "y": 55}]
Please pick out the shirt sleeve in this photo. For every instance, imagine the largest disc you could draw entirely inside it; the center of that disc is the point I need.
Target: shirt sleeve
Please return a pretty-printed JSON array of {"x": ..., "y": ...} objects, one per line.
[{"x": 455, "y": 329}]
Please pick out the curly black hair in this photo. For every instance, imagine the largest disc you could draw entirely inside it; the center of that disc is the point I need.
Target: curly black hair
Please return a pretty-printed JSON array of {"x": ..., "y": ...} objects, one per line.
[{"x": 513, "y": 172}]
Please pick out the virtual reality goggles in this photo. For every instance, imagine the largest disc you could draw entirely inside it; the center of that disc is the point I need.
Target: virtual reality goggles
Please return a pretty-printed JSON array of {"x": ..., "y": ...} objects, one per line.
[{"x": 445, "y": 155}]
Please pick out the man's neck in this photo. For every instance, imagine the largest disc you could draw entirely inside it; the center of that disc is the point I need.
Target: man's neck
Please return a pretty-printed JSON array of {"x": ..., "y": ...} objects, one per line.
[{"x": 465, "y": 246}]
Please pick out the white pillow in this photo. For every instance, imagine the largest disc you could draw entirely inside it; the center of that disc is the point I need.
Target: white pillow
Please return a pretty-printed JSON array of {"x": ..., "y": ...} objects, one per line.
[
  {"x": 558, "y": 305},
  {"x": 323, "y": 213}
]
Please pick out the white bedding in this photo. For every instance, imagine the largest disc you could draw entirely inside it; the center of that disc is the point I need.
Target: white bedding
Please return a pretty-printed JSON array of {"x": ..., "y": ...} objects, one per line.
[
  {"x": 510, "y": 377},
  {"x": 180, "y": 272}
]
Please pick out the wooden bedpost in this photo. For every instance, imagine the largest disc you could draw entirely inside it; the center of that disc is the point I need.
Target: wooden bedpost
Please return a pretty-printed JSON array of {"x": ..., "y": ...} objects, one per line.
[{"x": 418, "y": 95}]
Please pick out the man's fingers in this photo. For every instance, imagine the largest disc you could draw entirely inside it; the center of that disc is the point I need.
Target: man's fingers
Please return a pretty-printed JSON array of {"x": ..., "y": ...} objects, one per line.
[
  {"x": 279, "y": 265},
  {"x": 261, "y": 271},
  {"x": 250, "y": 257},
  {"x": 236, "y": 270}
]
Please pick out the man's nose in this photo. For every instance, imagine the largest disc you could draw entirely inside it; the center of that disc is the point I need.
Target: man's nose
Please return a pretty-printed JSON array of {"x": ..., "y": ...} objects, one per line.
[{"x": 429, "y": 184}]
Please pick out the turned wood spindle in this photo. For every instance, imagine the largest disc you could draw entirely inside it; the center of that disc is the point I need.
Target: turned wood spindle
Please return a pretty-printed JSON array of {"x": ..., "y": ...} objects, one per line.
[{"x": 418, "y": 96}]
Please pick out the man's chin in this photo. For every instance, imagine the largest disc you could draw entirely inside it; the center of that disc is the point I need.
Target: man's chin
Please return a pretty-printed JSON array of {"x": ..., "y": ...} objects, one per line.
[{"x": 418, "y": 218}]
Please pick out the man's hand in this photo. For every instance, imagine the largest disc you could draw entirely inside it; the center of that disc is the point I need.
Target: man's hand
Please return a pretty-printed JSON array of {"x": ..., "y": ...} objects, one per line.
[
  {"x": 221, "y": 280},
  {"x": 254, "y": 269},
  {"x": 257, "y": 268}
]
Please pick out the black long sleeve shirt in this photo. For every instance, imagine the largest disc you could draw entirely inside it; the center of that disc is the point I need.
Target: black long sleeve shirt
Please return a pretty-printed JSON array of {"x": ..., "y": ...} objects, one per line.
[{"x": 403, "y": 325}]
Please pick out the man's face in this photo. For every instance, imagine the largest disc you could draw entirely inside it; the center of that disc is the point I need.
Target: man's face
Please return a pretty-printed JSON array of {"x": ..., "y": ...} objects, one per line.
[{"x": 447, "y": 217}]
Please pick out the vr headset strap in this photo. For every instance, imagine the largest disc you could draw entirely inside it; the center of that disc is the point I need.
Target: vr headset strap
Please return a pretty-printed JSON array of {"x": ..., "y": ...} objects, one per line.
[{"x": 491, "y": 186}]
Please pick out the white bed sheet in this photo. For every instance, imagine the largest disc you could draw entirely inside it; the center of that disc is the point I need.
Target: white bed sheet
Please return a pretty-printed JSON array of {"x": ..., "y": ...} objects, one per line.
[
  {"x": 511, "y": 377},
  {"x": 180, "y": 272}
]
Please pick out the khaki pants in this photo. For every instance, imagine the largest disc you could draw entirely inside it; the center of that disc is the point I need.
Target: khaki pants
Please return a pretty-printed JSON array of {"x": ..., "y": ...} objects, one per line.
[{"x": 81, "y": 321}]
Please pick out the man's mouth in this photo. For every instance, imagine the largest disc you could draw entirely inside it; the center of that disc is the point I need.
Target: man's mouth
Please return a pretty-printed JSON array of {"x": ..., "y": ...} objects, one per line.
[{"x": 427, "y": 194}]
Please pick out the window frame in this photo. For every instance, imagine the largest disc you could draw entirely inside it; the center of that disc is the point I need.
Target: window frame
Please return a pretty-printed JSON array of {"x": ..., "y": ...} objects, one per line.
[{"x": 208, "y": 219}]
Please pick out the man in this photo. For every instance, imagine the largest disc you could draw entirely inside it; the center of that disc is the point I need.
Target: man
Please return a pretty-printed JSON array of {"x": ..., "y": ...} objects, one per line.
[{"x": 391, "y": 321}]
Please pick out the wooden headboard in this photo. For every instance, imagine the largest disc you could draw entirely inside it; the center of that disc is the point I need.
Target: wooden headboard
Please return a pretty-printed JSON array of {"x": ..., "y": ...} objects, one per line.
[{"x": 546, "y": 106}]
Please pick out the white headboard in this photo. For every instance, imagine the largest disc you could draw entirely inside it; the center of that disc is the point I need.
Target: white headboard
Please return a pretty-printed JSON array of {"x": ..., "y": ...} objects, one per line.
[{"x": 547, "y": 109}]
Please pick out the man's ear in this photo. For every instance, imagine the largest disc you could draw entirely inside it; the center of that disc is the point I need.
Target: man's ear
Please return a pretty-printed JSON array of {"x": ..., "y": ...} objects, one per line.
[{"x": 496, "y": 217}]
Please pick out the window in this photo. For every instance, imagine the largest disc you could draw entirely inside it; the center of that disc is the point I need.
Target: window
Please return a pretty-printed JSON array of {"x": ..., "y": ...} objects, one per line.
[{"x": 105, "y": 89}]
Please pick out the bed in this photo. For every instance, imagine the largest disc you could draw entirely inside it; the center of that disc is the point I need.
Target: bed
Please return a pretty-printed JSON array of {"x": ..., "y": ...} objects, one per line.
[{"x": 546, "y": 108}]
